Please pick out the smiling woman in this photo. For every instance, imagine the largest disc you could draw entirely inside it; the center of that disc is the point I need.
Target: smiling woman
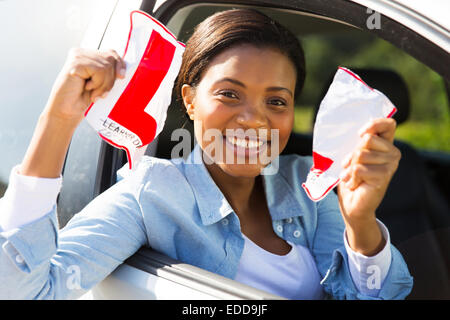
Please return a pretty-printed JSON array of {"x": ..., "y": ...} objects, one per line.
[
  {"x": 241, "y": 71},
  {"x": 240, "y": 75},
  {"x": 255, "y": 102}
]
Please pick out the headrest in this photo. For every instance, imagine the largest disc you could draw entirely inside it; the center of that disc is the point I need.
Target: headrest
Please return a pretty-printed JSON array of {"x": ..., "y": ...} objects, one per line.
[{"x": 387, "y": 81}]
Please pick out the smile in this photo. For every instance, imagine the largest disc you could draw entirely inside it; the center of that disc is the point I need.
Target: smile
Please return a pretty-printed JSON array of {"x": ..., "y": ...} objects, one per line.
[
  {"x": 245, "y": 143},
  {"x": 245, "y": 147}
]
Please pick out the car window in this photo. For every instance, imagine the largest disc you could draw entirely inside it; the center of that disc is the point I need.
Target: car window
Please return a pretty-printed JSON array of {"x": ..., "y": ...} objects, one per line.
[
  {"x": 428, "y": 124},
  {"x": 36, "y": 36}
]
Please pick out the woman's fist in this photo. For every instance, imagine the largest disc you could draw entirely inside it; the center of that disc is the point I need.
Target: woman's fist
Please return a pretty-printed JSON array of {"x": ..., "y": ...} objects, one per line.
[
  {"x": 368, "y": 170},
  {"x": 86, "y": 76}
]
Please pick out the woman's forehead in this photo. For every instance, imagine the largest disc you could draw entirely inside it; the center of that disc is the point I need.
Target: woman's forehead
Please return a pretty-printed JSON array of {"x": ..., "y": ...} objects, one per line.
[{"x": 250, "y": 63}]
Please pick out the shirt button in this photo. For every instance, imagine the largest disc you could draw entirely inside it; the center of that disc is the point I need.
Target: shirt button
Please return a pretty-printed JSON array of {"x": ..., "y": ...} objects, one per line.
[
  {"x": 297, "y": 233},
  {"x": 289, "y": 220},
  {"x": 225, "y": 221},
  {"x": 19, "y": 259},
  {"x": 280, "y": 228}
]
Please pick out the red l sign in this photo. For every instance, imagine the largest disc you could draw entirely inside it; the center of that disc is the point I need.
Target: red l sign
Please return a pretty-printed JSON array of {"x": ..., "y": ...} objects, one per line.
[{"x": 153, "y": 67}]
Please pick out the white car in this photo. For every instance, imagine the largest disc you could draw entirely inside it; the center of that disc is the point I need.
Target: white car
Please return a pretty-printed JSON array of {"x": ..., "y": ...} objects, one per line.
[{"x": 416, "y": 209}]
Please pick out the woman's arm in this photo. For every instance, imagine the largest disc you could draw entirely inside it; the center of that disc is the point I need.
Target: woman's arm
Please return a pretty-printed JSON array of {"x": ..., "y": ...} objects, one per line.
[
  {"x": 364, "y": 182},
  {"x": 39, "y": 261},
  {"x": 86, "y": 75},
  {"x": 348, "y": 274},
  {"x": 36, "y": 259}
]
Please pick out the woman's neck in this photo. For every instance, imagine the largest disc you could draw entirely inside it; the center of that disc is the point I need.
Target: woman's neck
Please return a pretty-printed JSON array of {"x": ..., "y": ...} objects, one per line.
[{"x": 237, "y": 190}]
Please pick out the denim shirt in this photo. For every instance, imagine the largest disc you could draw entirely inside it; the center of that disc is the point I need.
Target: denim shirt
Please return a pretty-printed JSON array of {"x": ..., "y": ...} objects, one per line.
[{"x": 176, "y": 208}]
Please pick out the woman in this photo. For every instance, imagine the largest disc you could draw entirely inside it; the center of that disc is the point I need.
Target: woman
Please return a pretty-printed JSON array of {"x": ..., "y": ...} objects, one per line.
[{"x": 241, "y": 71}]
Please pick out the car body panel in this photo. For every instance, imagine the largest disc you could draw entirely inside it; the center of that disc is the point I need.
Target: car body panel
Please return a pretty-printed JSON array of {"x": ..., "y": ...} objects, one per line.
[{"x": 420, "y": 16}]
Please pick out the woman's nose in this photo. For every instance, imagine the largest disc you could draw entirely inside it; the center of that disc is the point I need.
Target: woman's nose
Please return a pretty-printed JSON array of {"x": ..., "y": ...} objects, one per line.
[{"x": 252, "y": 117}]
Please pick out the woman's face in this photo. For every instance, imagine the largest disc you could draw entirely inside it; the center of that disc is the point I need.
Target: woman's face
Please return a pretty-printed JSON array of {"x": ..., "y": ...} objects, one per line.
[{"x": 244, "y": 99}]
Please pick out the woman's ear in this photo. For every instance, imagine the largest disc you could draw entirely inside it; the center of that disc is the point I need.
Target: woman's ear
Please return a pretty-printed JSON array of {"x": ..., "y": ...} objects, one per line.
[{"x": 188, "y": 95}]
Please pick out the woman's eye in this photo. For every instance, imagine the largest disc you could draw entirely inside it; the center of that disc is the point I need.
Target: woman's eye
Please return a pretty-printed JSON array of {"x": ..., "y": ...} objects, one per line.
[
  {"x": 277, "y": 102},
  {"x": 228, "y": 94}
]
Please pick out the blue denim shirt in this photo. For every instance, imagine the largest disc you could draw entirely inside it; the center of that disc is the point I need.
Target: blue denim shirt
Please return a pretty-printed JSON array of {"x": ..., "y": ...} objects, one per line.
[{"x": 175, "y": 207}]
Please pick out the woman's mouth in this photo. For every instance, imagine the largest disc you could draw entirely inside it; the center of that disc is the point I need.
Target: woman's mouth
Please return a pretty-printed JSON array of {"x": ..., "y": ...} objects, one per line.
[{"x": 245, "y": 146}]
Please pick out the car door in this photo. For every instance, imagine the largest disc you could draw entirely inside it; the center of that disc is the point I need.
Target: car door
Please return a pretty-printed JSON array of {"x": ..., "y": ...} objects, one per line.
[{"x": 151, "y": 275}]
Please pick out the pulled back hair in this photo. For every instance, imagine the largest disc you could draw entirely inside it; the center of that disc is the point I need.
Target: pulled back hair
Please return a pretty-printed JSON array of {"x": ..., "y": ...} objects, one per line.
[{"x": 230, "y": 28}]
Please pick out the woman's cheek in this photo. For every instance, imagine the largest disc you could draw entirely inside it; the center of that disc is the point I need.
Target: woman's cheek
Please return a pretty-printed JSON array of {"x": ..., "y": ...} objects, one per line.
[
  {"x": 284, "y": 123},
  {"x": 214, "y": 115},
  {"x": 210, "y": 122}
]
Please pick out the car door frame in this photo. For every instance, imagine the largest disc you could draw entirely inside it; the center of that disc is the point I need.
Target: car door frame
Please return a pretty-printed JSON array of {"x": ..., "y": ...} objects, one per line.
[{"x": 111, "y": 159}]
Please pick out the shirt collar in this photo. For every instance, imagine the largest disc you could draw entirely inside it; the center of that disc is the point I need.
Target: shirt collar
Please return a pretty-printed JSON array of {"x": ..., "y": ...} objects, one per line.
[
  {"x": 213, "y": 205},
  {"x": 280, "y": 195}
]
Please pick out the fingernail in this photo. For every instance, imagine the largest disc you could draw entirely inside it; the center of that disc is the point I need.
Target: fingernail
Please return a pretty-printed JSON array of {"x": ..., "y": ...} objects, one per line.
[
  {"x": 346, "y": 160},
  {"x": 349, "y": 184},
  {"x": 362, "y": 130},
  {"x": 344, "y": 175},
  {"x": 122, "y": 72}
]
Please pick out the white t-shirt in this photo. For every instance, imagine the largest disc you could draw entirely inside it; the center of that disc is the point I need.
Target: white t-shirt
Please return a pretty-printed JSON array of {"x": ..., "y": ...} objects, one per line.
[{"x": 292, "y": 276}]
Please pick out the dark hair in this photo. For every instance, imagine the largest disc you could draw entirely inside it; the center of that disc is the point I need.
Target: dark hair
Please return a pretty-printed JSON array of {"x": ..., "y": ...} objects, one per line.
[{"x": 229, "y": 28}]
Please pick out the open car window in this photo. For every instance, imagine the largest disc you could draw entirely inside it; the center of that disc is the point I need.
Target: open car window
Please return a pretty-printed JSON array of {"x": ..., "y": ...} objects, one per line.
[{"x": 415, "y": 209}]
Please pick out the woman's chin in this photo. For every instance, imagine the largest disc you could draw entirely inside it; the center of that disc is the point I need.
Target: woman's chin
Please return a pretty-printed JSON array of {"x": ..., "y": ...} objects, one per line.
[{"x": 242, "y": 170}]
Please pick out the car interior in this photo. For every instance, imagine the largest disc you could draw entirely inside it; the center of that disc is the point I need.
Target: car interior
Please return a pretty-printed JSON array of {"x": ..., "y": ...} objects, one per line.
[{"x": 416, "y": 206}]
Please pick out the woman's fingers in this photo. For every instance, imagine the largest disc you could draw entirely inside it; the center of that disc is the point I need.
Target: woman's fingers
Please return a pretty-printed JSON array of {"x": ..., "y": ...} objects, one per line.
[
  {"x": 377, "y": 176},
  {"x": 372, "y": 148},
  {"x": 112, "y": 69},
  {"x": 375, "y": 159},
  {"x": 364, "y": 156},
  {"x": 369, "y": 164},
  {"x": 99, "y": 69},
  {"x": 375, "y": 143},
  {"x": 120, "y": 65},
  {"x": 382, "y": 127}
]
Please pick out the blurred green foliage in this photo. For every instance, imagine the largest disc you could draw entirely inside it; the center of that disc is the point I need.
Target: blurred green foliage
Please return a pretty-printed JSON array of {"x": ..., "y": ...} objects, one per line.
[{"x": 428, "y": 126}]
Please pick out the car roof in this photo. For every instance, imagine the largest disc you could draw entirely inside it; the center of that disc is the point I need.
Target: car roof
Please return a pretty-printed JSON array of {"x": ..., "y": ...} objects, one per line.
[
  {"x": 427, "y": 18},
  {"x": 436, "y": 10}
]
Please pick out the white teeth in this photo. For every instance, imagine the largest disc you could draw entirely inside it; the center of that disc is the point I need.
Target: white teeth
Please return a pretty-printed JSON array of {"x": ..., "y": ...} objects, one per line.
[{"x": 243, "y": 143}]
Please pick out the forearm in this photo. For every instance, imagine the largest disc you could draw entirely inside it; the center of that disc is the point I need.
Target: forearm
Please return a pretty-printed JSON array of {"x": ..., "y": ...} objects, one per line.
[
  {"x": 368, "y": 273},
  {"x": 364, "y": 236},
  {"x": 47, "y": 150}
]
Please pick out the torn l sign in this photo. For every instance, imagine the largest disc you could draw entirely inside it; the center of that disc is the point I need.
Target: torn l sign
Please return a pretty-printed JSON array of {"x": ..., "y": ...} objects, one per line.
[
  {"x": 135, "y": 109},
  {"x": 348, "y": 105}
]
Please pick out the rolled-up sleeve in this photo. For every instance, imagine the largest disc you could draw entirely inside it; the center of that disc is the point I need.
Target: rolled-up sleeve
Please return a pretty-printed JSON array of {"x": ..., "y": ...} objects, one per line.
[
  {"x": 38, "y": 261},
  {"x": 368, "y": 273},
  {"x": 27, "y": 199},
  {"x": 334, "y": 263}
]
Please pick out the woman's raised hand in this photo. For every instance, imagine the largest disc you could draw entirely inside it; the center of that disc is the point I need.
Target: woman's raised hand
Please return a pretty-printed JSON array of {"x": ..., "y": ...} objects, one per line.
[
  {"x": 364, "y": 181},
  {"x": 86, "y": 76}
]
